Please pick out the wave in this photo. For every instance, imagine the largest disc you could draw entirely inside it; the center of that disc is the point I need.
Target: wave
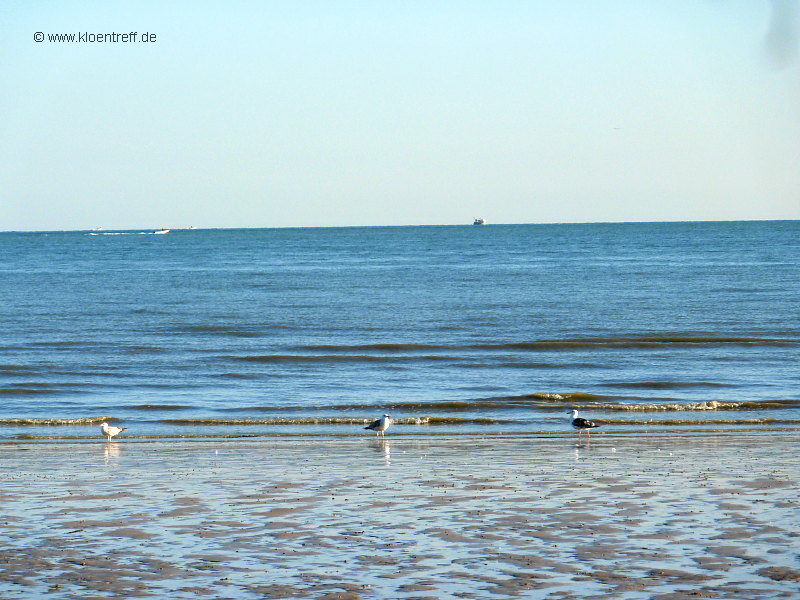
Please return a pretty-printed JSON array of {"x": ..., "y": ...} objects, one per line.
[
  {"x": 542, "y": 402},
  {"x": 35, "y": 391},
  {"x": 333, "y": 358},
  {"x": 628, "y": 342},
  {"x": 244, "y": 376},
  {"x": 145, "y": 350},
  {"x": 694, "y": 422},
  {"x": 441, "y": 420},
  {"x": 427, "y": 420},
  {"x": 635, "y": 342},
  {"x": 667, "y": 385},
  {"x": 626, "y": 404},
  {"x": 374, "y": 347},
  {"x": 18, "y": 370},
  {"x": 547, "y": 399},
  {"x": 54, "y": 422},
  {"x": 157, "y": 407},
  {"x": 609, "y": 403},
  {"x": 707, "y": 406},
  {"x": 466, "y": 362},
  {"x": 528, "y": 365},
  {"x": 704, "y": 407},
  {"x": 504, "y": 402},
  {"x": 306, "y": 421},
  {"x": 223, "y": 330},
  {"x": 62, "y": 344}
]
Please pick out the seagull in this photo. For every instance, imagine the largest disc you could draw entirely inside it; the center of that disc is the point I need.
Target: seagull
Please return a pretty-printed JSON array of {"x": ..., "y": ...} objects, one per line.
[
  {"x": 110, "y": 431},
  {"x": 581, "y": 424},
  {"x": 381, "y": 425}
]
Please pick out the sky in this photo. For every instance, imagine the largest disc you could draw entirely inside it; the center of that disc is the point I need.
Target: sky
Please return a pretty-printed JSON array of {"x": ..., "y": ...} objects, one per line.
[{"x": 344, "y": 113}]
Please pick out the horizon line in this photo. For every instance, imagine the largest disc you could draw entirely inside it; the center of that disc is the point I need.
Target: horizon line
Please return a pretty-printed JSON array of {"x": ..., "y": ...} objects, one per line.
[{"x": 256, "y": 227}]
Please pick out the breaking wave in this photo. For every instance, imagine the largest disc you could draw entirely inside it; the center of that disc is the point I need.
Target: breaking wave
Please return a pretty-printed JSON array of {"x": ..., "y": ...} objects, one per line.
[
  {"x": 447, "y": 420},
  {"x": 695, "y": 422},
  {"x": 55, "y": 422},
  {"x": 540, "y": 402},
  {"x": 610, "y": 403},
  {"x": 336, "y": 421}
]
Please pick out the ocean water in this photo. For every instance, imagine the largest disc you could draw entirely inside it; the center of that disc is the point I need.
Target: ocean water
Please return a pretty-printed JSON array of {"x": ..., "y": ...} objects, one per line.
[{"x": 654, "y": 327}]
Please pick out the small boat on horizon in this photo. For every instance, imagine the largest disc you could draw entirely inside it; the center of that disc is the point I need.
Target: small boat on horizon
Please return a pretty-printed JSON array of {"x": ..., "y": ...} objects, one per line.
[
  {"x": 479, "y": 221},
  {"x": 161, "y": 231}
]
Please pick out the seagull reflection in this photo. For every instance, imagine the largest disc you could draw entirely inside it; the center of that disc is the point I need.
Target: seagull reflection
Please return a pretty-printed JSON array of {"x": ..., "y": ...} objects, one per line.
[
  {"x": 381, "y": 446},
  {"x": 111, "y": 452},
  {"x": 586, "y": 445}
]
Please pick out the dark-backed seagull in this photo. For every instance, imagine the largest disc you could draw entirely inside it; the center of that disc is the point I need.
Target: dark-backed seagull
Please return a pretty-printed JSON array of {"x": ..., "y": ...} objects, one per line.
[
  {"x": 381, "y": 425},
  {"x": 110, "y": 431},
  {"x": 581, "y": 424}
]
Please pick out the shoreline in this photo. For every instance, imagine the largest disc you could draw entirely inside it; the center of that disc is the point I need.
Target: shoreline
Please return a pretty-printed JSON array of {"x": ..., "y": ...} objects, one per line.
[
  {"x": 328, "y": 435},
  {"x": 623, "y": 516}
]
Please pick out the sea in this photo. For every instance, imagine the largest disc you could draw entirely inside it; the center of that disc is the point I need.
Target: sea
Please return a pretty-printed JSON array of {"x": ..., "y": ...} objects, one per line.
[{"x": 645, "y": 328}]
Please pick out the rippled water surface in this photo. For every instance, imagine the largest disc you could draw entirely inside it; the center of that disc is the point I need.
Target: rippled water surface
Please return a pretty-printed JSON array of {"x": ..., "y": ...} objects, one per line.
[{"x": 501, "y": 329}]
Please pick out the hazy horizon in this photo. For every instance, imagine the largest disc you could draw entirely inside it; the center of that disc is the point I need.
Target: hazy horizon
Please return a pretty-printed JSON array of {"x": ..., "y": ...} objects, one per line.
[{"x": 212, "y": 228}]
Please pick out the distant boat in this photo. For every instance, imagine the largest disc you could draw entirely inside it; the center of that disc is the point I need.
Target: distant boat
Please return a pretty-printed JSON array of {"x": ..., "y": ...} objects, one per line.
[
  {"x": 161, "y": 231},
  {"x": 479, "y": 222}
]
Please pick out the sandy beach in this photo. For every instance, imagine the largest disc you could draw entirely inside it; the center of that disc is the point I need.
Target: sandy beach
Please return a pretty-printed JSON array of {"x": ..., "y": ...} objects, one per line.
[{"x": 628, "y": 517}]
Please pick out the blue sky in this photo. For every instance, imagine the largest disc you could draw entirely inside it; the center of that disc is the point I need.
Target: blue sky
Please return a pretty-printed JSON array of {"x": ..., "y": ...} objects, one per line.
[{"x": 312, "y": 113}]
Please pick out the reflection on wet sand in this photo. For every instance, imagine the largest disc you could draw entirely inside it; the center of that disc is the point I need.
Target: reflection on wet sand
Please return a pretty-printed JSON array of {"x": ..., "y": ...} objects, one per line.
[
  {"x": 111, "y": 451},
  {"x": 383, "y": 447},
  {"x": 654, "y": 518}
]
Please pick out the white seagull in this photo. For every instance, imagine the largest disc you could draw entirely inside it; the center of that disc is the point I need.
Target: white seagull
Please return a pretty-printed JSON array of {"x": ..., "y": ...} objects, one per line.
[
  {"x": 381, "y": 425},
  {"x": 581, "y": 424},
  {"x": 110, "y": 431}
]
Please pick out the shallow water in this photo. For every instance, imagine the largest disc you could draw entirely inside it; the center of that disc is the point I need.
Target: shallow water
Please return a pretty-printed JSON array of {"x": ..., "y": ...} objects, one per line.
[{"x": 494, "y": 329}]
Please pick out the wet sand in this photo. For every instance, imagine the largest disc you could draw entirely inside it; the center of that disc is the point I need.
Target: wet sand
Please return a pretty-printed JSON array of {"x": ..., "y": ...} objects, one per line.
[{"x": 638, "y": 517}]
